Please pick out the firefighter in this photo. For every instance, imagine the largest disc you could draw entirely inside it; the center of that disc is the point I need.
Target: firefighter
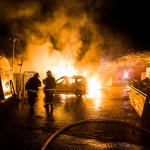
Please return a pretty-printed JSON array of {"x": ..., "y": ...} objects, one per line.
[
  {"x": 32, "y": 89},
  {"x": 50, "y": 84}
]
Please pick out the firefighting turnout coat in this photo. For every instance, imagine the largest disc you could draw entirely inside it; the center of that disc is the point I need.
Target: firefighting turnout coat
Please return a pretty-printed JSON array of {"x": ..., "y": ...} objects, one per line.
[
  {"x": 49, "y": 82},
  {"x": 32, "y": 84}
]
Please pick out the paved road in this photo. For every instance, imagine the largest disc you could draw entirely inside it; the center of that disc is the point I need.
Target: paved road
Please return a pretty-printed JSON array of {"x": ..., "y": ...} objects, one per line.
[{"x": 25, "y": 129}]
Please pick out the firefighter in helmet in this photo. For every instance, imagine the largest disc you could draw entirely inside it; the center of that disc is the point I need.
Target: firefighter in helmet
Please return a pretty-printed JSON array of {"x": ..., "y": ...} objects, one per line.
[
  {"x": 32, "y": 86},
  {"x": 50, "y": 84}
]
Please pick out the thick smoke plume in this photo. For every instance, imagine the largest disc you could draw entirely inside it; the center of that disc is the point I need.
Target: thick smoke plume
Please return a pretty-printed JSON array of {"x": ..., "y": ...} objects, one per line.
[
  {"x": 70, "y": 28},
  {"x": 60, "y": 35}
]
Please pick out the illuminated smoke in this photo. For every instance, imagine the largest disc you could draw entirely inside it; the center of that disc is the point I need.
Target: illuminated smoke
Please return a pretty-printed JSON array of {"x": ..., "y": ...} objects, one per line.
[
  {"x": 64, "y": 35},
  {"x": 67, "y": 37},
  {"x": 128, "y": 62},
  {"x": 18, "y": 10},
  {"x": 133, "y": 59}
]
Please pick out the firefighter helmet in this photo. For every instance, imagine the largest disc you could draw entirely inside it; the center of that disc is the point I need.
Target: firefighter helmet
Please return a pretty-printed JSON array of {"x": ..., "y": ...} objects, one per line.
[
  {"x": 49, "y": 72},
  {"x": 36, "y": 75}
]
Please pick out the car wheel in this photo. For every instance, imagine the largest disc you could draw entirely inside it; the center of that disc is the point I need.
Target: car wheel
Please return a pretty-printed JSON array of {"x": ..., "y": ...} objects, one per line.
[{"x": 78, "y": 93}]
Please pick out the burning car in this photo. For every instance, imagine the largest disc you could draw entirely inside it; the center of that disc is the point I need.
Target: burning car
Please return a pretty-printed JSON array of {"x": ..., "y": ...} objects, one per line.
[{"x": 76, "y": 84}]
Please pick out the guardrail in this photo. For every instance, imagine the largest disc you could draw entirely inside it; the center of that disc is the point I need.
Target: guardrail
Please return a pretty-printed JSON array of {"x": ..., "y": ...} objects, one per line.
[{"x": 139, "y": 101}]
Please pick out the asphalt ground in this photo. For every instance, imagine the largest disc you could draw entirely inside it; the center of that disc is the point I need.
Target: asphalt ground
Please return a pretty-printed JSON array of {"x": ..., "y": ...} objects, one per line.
[
  {"x": 99, "y": 134},
  {"x": 25, "y": 129}
]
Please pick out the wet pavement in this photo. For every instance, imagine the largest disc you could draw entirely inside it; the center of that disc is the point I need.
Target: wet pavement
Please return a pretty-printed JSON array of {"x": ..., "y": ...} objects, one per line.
[
  {"x": 25, "y": 129},
  {"x": 99, "y": 135}
]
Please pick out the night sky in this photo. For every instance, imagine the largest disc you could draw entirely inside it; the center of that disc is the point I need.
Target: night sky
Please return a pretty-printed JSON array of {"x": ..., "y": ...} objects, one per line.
[{"x": 128, "y": 19}]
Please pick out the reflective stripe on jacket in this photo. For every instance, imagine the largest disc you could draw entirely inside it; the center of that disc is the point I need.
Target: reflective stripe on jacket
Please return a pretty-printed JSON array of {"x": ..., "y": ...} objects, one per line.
[{"x": 34, "y": 91}]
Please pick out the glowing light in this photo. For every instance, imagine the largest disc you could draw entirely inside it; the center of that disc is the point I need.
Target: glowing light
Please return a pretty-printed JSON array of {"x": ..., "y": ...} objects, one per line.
[
  {"x": 126, "y": 75},
  {"x": 6, "y": 88}
]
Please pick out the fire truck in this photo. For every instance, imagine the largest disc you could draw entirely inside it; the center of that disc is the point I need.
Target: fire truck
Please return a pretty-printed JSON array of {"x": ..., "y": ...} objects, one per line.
[{"x": 7, "y": 88}]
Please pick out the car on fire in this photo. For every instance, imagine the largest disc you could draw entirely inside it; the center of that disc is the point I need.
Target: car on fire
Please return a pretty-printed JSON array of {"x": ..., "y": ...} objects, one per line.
[{"x": 76, "y": 84}]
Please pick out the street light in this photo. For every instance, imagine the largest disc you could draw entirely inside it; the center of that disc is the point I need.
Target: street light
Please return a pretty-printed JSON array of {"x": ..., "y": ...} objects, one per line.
[{"x": 13, "y": 40}]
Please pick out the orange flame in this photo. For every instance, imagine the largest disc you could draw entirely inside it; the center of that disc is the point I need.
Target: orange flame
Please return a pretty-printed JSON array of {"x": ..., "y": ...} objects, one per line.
[{"x": 94, "y": 87}]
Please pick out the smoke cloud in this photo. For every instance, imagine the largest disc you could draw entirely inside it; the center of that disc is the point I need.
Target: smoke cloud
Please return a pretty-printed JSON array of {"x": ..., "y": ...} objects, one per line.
[{"x": 59, "y": 34}]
